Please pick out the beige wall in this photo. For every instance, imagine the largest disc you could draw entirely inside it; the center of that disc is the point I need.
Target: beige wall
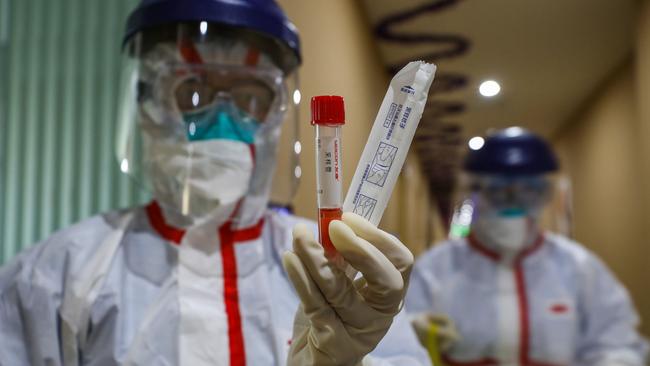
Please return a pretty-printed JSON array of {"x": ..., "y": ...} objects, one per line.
[
  {"x": 604, "y": 150},
  {"x": 599, "y": 150},
  {"x": 642, "y": 88},
  {"x": 340, "y": 57}
]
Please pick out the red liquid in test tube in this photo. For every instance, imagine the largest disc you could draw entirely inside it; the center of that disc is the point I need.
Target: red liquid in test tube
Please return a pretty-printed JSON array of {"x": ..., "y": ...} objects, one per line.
[
  {"x": 327, "y": 117},
  {"x": 325, "y": 216}
]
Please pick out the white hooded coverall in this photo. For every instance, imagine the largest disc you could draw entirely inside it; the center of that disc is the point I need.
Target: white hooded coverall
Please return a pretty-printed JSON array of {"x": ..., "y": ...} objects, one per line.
[
  {"x": 555, "y": 304},
  {"x": 126, "y": 288}
]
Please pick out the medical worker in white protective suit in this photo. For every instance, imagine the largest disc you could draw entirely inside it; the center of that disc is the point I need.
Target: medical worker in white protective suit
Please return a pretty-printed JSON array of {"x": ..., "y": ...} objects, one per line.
[
  {"x": 511, "y": 294},
  {"x": 196, "y": 277}
]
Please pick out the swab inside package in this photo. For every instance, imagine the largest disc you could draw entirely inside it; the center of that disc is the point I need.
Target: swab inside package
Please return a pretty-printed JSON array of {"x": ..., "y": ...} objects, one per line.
[{"x": 389, "y": 141}]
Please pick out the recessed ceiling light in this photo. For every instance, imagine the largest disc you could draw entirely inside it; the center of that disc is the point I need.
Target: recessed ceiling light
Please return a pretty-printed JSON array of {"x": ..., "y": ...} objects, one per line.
[
  {"x": 476, "y": 143},
  {"x": 489, "y": 88}
]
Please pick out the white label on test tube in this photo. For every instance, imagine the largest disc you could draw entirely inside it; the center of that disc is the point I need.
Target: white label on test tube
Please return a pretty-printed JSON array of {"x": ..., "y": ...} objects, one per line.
[
  {"x": 328, "y": 162},
  {"x": 389, "y": 141}
]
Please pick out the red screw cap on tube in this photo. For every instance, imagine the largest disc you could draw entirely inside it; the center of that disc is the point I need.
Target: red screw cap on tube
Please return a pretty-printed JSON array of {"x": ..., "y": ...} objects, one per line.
[{"x": 327, "y": 110}]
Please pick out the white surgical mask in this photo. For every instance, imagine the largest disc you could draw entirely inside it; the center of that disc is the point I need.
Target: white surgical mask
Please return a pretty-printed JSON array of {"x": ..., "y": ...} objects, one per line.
[
  {"x": 504, "y": 233},
  {"x": 195, "y": 178}
]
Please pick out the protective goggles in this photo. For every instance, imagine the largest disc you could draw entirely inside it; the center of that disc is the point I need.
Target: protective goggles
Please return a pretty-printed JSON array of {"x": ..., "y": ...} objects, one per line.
[
  {"x": 192, "y": 93},
  {"x": 513, "y": 195}
]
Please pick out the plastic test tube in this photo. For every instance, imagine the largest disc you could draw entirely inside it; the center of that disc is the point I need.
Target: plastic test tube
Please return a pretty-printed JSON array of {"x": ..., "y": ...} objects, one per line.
[{"x": 327, "y": 117}]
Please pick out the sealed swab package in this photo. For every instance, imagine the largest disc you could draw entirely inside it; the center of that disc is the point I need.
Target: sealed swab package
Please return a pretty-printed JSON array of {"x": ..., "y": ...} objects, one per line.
[{"x": 389, "y": 141}]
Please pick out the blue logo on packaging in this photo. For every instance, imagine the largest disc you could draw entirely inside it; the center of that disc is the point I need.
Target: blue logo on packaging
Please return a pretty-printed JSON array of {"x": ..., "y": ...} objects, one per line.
[{"x": 408, "y": 89}]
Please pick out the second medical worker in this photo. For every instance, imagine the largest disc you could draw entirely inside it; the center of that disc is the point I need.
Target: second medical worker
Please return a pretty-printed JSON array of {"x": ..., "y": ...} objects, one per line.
[{"x": 512, "y": 294}]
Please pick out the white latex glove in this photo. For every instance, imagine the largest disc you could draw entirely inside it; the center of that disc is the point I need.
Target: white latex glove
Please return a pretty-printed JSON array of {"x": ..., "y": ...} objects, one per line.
[
  {"x": 339, "y": 322},
  {"x": 446, "y": 333}
]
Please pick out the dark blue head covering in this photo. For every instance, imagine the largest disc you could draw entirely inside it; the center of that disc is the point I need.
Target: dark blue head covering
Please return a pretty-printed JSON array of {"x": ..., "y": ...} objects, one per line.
[{"x": 512, "y": 151}]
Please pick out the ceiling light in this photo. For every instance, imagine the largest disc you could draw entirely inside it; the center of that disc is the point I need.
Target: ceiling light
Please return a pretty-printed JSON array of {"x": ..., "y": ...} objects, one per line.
[
  {"x": 489, "y": 88},
  {"x": 476, "y": 143}
]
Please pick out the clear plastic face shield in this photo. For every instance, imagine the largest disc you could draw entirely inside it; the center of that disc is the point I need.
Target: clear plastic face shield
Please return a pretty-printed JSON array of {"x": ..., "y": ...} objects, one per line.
[
  {"x": 202, "y": 113},
  {"x": 511, "y": 196},
  {"x": 501, "y": 208}
]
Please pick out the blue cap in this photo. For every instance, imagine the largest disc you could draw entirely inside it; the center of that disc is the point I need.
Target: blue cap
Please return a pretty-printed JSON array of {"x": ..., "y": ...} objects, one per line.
[
  {"x": 512, "y": 151},
  {"x": 263, "y": 16}
]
